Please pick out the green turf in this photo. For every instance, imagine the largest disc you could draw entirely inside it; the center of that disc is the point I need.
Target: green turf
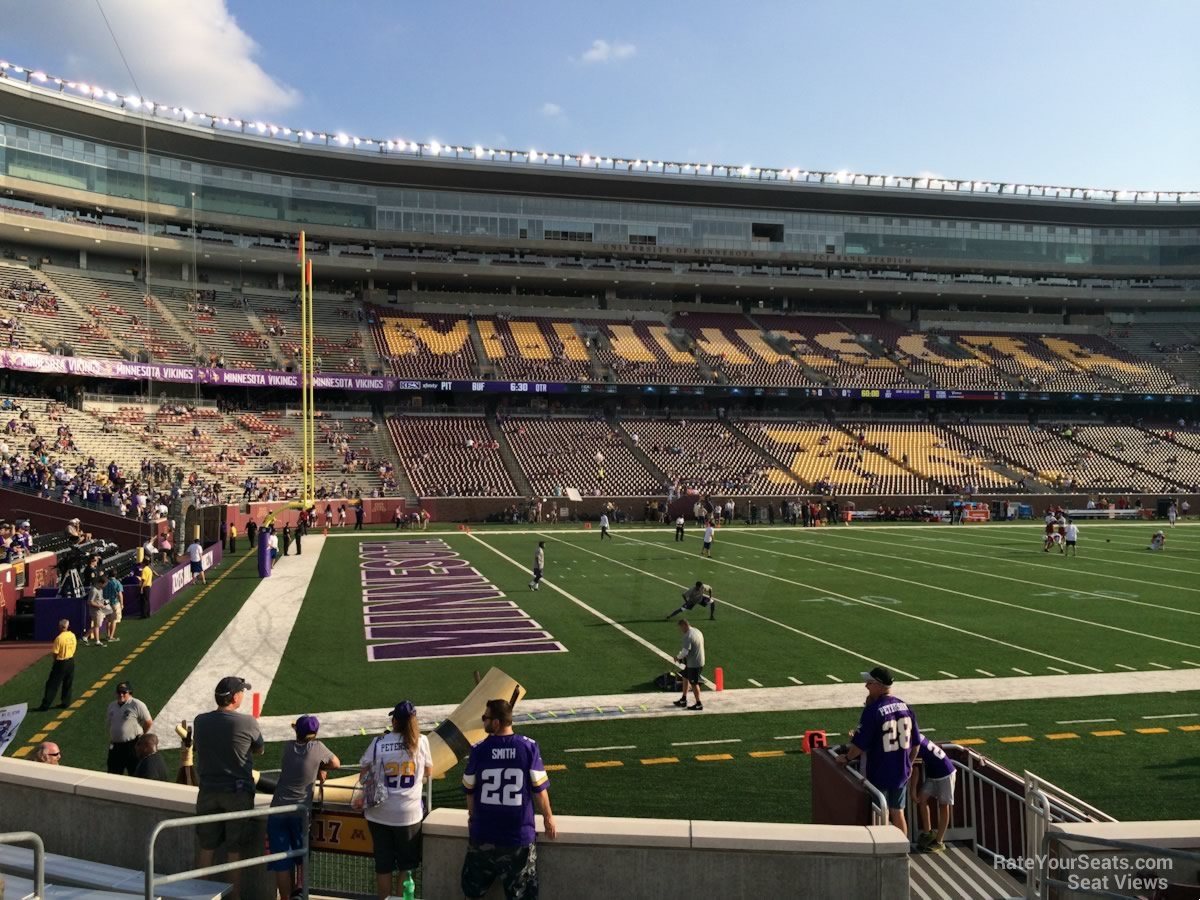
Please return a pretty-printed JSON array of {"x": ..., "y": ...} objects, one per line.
[{"x": 809, "y": 605}]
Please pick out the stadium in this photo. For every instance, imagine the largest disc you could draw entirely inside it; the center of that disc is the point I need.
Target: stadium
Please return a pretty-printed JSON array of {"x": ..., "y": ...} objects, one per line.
[{"x": 875, "y": 388}]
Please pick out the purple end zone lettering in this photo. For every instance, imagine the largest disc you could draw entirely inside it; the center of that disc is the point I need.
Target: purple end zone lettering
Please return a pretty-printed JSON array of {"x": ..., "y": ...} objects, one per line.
[{"x": 422, "y": 601}]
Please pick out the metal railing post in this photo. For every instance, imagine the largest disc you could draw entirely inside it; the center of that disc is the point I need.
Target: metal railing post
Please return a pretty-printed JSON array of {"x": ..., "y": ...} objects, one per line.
[
  {"x": 153, "y": 880},
  {"x": 39, "y": 857}
]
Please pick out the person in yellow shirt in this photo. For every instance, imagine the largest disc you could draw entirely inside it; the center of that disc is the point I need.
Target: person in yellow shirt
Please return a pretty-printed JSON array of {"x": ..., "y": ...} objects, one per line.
[
  {"x": 233, "y": 539},
  {"x": 147, "y": 582},
  {"x": 62, "y": 670}
]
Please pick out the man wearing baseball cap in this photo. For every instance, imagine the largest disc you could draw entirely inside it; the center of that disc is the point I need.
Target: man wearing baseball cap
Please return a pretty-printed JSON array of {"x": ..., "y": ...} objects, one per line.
[
  {"x": 128, "y": 719},
  {"x": 225, "y": 743},
  {"x": 304, "y": 760},
  {"x": 886, "y": 733}
]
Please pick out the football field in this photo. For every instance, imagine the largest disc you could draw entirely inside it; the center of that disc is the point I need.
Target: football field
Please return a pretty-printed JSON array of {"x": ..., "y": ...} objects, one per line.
[
  {"x": 795, "y": 606},
  {"x": 1083, "y": 669}
]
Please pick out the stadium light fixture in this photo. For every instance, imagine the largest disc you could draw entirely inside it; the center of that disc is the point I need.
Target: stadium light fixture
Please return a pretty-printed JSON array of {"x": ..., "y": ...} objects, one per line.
[{"x": 435, "y": 148}]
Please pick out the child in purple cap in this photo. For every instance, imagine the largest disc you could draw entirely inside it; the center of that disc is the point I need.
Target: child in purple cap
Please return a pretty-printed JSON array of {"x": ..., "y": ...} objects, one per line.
[{"x": 304, "y": 761}]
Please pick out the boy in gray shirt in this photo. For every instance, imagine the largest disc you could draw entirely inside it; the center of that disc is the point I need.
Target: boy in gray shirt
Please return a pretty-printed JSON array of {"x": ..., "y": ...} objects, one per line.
[{"x": 303, "y": 760}]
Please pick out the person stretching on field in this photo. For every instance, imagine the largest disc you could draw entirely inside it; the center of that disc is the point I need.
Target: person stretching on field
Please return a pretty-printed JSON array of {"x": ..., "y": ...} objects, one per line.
[{"x": 701, "y": 594}]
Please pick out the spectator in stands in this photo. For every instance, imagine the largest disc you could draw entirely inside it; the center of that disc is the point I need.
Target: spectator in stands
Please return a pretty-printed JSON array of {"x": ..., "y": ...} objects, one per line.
[
  {"x": 150, "y": 763},
  {"x": 886, "y": 733},
  {"x": 501, "y": 829},
  {"x": 47, "y": 752},
  {"x": 75, "y": 533},
  {"x": 195, "y": 553},
  {"x": 62, "y": 669},
  {"x": 691, "y": 656},
  {"x": 128, "y": 719},
  {"x": 304, "y": 761},
  {"x": 225, "y": 743},
  {"x": 937, "y": 786},
  {"x": 395, "y": 824}
]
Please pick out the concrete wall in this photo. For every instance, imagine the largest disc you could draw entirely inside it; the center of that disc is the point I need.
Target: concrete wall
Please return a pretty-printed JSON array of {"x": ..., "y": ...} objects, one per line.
[
  {"x": 107, "y": 818},
  {"x": 602, "y": 858}
]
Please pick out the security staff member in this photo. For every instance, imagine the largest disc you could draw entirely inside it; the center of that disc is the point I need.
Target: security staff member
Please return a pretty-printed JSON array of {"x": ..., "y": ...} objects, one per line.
[
  {"x": 128, "y": 719},
  {"x": 62, "y": 670}
]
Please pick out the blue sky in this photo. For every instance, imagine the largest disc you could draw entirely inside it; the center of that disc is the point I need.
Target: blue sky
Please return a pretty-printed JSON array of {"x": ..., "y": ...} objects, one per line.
[{"x": 1094, "y": 94}]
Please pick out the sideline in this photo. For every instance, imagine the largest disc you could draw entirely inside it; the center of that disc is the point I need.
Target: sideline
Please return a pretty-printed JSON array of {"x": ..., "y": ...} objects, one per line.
[
  {"x": 252, "y": 644},
  {"x": 347, "y": 723}
]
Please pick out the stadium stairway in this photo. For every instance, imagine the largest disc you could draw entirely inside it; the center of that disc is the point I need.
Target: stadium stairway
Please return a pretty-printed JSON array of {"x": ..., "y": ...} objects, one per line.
[
  {"x": 69, "y": 301},
  {"x": 169, "y": 318},
  {"x": 735, "y": 428},
  {"x": 957, "y": 872},
  {"x": 639, "y": 454},
  {"x": 278, "y": 357},
  {"x": 520, "y": 481}
]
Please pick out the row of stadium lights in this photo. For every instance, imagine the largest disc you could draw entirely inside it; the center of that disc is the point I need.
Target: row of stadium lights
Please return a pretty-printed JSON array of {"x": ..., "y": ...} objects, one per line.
[{"x": 95, "y": 92}]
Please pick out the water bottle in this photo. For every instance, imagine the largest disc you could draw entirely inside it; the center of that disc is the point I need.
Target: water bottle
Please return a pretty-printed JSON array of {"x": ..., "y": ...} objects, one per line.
[{"x": 410, "y": 888}]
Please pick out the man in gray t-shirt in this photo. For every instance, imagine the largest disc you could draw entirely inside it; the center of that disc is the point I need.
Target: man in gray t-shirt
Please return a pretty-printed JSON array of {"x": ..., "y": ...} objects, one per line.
[
  {"x": 691, "y": 656},
  {"x": 303, "y": 759},
  {"x": 225, "y": 743}
]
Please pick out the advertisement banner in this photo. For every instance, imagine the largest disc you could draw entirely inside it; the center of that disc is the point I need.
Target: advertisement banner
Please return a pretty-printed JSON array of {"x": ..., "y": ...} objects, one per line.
[{"x": 10, "y": 721}]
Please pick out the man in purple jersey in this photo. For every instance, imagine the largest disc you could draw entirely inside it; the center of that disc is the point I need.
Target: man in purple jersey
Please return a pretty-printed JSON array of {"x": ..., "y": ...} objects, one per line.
[
  {"x": 504, "y": 774},
  {"x": 937, "y": 786},
  {"x": 886, "y": 733}
]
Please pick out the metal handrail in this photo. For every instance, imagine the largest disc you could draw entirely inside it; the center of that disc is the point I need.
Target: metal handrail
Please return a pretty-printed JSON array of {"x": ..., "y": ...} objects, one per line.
[
  {"x": 152, "y": 880},
  {"x": 1049, "y": 837},
  {"x": 39, "y": 858}
]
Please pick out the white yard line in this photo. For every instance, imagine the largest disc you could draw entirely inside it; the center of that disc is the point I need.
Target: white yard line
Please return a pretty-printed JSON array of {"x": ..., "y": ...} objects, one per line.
[
  {"x": 704, "y": 743},
  {"x": 1125, "y": 667},
  {"x": 985, "y": 672},
  {"x": 959, "y": 593},
  {"x": 1021, "y": 671},
  {"x": 1005, "y": 725},
  {"x": 598, "y": 749},
  {"x": 251, "y": 645},
  {"x": 794, "y": 680},
  {"x": 1174, "y": 716},
  {"x": 346, "y": 723},
  {"x": 591, "y": 609},
  {"x": 730, "y": 605},
  {"x": 940, "y": 548},
  {"x": 1159, "y": 665},
  {"x": 887, "y": 609},
  {"x": 947, "y": 674},
  {"x": 1083, "y": 721},
  {"x": 755, "y": 683}
]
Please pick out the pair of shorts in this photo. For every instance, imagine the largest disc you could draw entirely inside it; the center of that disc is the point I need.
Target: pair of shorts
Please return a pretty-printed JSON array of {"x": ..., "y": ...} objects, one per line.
[
  {"x": 397, "y": 847},
  {"x": 516, "y": 867},
  {"x": 692, "y": 674},
  {"x": 939, "y": 789},
  {"x": 116, "y": 612},
  {"x": 98, "y": 616},
  {"x": 897, "y": 798},
  {"x": 197, "y": 567},
  {"x": 708, "y": 545},
  {"x": 285, "y": 832},
  {"x": 238, "y": 835}
]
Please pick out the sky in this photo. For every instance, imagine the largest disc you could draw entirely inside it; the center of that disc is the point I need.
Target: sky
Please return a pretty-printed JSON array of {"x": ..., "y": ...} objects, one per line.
[{"x": 1099, "y": 93}]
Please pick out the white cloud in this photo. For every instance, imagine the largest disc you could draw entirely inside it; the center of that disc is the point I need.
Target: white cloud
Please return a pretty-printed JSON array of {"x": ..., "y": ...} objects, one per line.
[
  {"x": 551, "y": 110},
  {"x": 602, "y": 51},
  {"x": 190, "y": 54}
]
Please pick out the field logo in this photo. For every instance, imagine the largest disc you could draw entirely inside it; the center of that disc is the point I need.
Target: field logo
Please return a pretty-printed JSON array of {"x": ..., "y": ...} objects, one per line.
[{"x": 421, "y": 600}]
